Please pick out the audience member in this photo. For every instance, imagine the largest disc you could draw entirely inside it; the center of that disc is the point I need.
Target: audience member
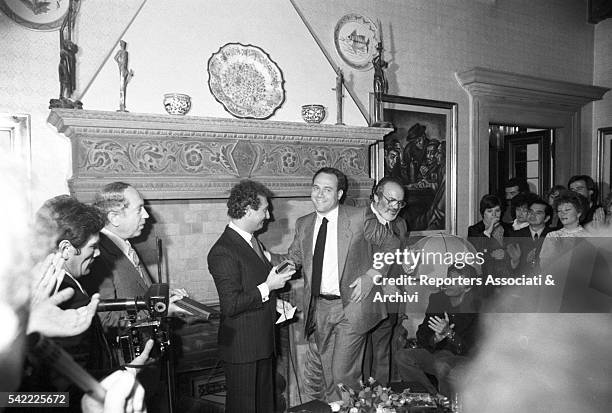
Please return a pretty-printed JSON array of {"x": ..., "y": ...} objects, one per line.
[
  {"x": 519, "y": 210},
  {"x": 446, "y": 337},
  {"x": 551, "y": 195},
  {"x": 512, "y": 188},
  {"x": 585, "y": 186},
  {"x": 488, "y": 237},
  {"x": 570, "y": 207},
  {"x": 530, "y": 238}
]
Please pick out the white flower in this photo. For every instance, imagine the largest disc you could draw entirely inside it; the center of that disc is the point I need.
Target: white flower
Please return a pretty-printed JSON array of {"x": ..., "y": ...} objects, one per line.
[{"x": 335, "y": 406}]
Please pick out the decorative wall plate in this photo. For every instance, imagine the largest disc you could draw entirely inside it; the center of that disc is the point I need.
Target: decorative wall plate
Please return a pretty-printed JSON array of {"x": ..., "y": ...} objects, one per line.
[
  {"x": 246, "y": 81},
  {"x": 42, "y": 15},
  {"x": 356, "y": 37}
]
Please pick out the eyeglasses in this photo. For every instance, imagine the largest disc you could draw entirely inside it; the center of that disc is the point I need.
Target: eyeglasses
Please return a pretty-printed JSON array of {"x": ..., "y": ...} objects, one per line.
[{"x": 394, "y": 202}]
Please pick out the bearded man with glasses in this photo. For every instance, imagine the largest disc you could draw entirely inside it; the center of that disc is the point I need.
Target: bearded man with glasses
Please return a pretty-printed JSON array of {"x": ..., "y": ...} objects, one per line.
[{"x": 387, "y": 202}]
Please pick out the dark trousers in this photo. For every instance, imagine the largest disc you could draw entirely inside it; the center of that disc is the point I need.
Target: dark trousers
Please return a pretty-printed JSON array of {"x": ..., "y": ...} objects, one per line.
[
  {"x": 250, "y": 387},
  {"x": 378, "y": 356}
]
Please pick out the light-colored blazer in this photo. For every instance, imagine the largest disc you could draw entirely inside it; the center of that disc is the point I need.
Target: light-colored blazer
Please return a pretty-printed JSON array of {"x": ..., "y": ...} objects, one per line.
[{"x": 357, "y": 235}]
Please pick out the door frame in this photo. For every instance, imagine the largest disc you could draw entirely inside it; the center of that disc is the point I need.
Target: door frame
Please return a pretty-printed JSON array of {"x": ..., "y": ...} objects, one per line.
[
  {"x": 543, "y": 139},
  {"x": 512, "y": 99}
]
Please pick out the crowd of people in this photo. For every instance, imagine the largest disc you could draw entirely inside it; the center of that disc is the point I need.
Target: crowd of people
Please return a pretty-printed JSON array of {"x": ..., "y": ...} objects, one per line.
[
  {"x": 83, "y": 254},
  {"x": 350, "y": 336}
]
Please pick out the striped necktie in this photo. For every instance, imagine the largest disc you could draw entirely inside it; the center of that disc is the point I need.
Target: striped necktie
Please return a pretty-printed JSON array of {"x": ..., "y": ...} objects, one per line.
[
  {"x": 133, "y": 256},
  {"x": 257, "y": 247}
]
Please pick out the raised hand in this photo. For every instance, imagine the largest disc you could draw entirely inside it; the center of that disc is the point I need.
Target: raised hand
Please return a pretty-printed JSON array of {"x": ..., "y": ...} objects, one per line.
[
  {"x": 47, "y": 318},
  {"x": 46, "y": 276}
]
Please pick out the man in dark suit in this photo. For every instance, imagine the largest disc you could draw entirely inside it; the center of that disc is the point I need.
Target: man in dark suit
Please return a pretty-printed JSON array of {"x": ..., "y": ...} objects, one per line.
[
  {"x": 530, "y": 238},
  {"x": 387, "y": 201},
  {"x": 246, "y": 282},
  {"x": 334, "y": 247},
  {"x": 118, "y": 272}
]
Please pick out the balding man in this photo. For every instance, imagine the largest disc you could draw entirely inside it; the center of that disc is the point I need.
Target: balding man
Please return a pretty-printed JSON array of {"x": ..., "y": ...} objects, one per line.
[{"x": 118, "y": 272}]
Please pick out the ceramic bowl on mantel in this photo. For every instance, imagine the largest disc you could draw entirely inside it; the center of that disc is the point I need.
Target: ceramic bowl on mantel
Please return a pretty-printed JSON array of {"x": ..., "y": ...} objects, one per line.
[
  {"x": 177, "y": 103},
  {"x": 313, "y": 113}
]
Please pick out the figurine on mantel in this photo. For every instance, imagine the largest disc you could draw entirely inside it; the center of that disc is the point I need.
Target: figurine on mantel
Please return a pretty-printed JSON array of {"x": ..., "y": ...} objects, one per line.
[
  {"x": 67, "y": 64},
  {"x": 381, "y": 86},
  {"x": 125, "y": 73},
  {"x": 339, "y": 96}
]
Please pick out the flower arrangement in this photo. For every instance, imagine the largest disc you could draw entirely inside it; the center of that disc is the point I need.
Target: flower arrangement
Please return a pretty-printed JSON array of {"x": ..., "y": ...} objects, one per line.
[{"x": 374, "y": 398}]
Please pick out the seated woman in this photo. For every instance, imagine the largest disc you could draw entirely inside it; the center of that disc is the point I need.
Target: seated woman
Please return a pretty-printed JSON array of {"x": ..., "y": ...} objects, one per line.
[
  {"x": 488, "y": 237},
  {"x": 551, "y": 196},
  {"x": 569, "y": 206},
  {"x": 446, "y": 336}
]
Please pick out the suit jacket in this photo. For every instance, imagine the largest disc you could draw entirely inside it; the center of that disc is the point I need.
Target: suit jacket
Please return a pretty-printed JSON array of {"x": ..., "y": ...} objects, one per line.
[
  {"x": 114, "y": 276},
  {"x": 358, "y": 234},
  {"x": 246, "y": 330},
  {"x": 527, "y": 244}
]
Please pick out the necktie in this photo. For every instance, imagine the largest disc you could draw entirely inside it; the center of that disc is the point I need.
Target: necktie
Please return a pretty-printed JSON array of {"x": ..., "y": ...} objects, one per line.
[
  {"x": 317, "y": 270},
  {"x": 317, "y": 258},
  {"x": 257, "y": 248},
  {"x": 133, "y": 256}
]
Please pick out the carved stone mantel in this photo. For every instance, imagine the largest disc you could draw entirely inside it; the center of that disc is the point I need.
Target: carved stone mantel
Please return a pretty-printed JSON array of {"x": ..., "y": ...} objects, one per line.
[{"x": 188, "y": 157}]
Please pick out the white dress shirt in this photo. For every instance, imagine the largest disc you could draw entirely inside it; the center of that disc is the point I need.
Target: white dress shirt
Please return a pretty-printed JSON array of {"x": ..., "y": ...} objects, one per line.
[{"x": 330, "y": 279}]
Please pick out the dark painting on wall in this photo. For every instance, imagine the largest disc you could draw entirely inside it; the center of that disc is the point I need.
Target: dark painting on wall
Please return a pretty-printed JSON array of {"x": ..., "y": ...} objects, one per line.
[{"x": 421, "y": 152}]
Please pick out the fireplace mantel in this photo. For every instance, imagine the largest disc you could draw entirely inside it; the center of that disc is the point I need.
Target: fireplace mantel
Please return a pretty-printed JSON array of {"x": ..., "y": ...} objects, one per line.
[{"x": 188, "y": 157}]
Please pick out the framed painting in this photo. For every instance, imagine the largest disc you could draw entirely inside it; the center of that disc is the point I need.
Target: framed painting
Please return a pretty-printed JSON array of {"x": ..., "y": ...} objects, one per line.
[
  {"x": 604, "y": 161},
  {"x": 422, "y": 153}
]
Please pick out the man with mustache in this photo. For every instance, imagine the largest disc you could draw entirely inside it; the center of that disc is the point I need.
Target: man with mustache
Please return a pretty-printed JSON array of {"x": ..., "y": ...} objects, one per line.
[{"x": 387, "y": 202}]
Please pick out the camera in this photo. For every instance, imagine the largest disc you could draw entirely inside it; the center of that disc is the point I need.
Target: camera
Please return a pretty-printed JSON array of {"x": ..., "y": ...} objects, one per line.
[{"x": 134, "y": 332}]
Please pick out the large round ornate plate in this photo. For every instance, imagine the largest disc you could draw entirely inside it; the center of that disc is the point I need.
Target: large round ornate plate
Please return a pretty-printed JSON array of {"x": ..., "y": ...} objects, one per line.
[
  {"x": 246, "y": 81},
  {"x": 356, "y": 38},
  {"x": 36, "y": 14}
]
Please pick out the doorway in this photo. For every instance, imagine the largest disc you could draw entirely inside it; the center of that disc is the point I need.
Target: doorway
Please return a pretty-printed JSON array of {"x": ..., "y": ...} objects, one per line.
[{"x": 520, "y": 151}]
